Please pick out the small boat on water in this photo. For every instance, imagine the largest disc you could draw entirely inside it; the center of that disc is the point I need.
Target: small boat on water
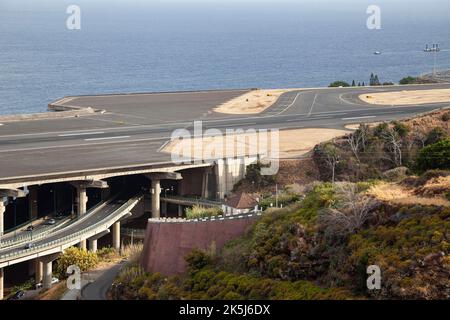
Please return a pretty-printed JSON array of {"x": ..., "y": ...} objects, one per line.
[{"x": 377, "y": 53}]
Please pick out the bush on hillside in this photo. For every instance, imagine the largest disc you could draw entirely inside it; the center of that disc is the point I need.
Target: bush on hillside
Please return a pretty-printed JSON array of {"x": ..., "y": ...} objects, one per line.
[
  {"x": 197, "y": 212},
  {"x": 339, "y": 83},
  {"x": 435, "y": 156},
  {"x": 85, "y": 260},
  {"x": 408, "y": 80},
  {"x": 435, "y": 135}
]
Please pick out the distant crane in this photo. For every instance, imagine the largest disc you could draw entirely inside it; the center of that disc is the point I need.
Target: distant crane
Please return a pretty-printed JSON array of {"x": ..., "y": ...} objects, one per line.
[{"x": 434, "y": 49}]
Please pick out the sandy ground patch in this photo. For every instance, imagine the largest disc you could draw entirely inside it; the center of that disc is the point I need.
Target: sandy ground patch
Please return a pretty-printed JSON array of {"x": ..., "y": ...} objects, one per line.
[
  {"x": 398, "y": 194},
  {"x": 291, "y": 144},
  {"x": 407, "y": 97},
  {"x": 355, "y": 126},
  {"x": 252, "y": 102}
]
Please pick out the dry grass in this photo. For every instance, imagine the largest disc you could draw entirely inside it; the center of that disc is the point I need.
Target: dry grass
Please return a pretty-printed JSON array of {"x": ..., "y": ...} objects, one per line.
[
  {"x": 394, "y": 193},
  {"x": 252, "y": 102},
  {"x": 435, "y": 186},
  {"x": 132, "y": 252},
  {"x": 54, "y": 293},
  {"x": 407, "y": 97}
]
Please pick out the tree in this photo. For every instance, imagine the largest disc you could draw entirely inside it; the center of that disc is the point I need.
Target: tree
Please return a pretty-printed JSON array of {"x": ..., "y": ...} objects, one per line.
[
  {"x": 355, "y": 141},
  {"x": 419, "y": 134},
  {"x": 331, "y": 158},
  {"x": 435, "y": 135},
  {"x": 393, "y": 141},
  {"x": 408, "y": 80},
  {"x": 372, "y": 79},
  {"x": 339, "y": 83},
  {"x": 435, "y": 156},
  {"x": 351, "y": 210},
  {"x": 353, "y": 83},
  {"x": 376, "y": 81}
]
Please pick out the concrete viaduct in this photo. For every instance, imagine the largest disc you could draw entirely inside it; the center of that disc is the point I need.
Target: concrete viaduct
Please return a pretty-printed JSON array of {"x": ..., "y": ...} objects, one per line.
[{"x": 93, "y": 141}]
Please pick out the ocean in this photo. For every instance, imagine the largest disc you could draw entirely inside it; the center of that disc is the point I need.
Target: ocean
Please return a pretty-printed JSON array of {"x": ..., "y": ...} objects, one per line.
[{"x": 145, "y": 46}]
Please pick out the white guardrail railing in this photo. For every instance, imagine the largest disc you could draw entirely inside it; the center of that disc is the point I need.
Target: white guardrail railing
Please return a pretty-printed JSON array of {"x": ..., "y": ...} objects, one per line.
[
  {"x": 33, "y": 235},
  {"x": 80, "y": 235}
]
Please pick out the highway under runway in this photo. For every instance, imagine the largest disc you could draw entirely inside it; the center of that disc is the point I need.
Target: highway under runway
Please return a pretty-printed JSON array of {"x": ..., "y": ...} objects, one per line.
[{"x": 132, "y": 127}]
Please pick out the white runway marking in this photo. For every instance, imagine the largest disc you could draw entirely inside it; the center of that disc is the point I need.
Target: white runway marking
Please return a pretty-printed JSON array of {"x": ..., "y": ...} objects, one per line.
[
  {"x": 293, "y": 102},
  {"x": 312, "y": 105},
  {"x": 79, "y": 134},
  {"x": 236, "y": 125},
  {"x": 106, "y": 138},
  {"x": 354, "y": 118}
]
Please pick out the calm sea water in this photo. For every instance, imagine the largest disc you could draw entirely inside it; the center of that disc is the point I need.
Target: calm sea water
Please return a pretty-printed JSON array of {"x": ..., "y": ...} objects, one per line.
[{"x": 135, "y": 46}]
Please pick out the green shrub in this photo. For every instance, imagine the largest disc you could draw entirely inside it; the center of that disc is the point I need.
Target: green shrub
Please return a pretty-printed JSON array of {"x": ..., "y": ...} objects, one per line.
[
  {"x": 339, "y": 83},
  {"x": 435, "y": 135},
  {"x": 85, "y": 260},
  {"x": 435, "y": 156},
  {"x": 254, "y": 177},
  {"x": 284, "y": 199},
  {"x": 408, "y": 80},
  {"x": 197, "y": 212},
  {"x": 446, "y": 116}
]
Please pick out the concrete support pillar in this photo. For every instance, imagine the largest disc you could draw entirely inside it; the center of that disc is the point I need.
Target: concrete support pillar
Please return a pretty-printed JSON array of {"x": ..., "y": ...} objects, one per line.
[
  {"x": 2, "y": 213},
  {"x": 156, "y": 191},
  {"x": 82, "y": 245},
  {"x": 205, "y": 186},
  {"x": 82, "y": 200},
  {"x": 33, "y": 202},
  {"x": 221, "y": 169},
  {"x": 1, "y": 283},
  {"x": 93, "y": 245},
  {"x": 180, "y": 210},
  {"x": 48, "y": 274},
  {"x": 116, "y": 235},
  {"x": 39, "y": 271},
  {"x": 164, "y": 208}
]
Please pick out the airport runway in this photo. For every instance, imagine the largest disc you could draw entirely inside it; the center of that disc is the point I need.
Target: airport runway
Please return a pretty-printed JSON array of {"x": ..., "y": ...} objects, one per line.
[{"x": 132, "y": 127}]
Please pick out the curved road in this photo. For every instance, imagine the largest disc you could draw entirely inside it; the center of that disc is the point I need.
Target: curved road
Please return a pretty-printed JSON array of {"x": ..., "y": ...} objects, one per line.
[
  {"x": 132, "y": 127},
  {"x": 86, "y": 222},
  {"x": 98, "y": 289}
]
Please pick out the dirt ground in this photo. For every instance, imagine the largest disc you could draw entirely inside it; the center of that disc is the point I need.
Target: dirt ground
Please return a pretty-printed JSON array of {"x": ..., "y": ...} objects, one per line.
[
  {"x": 407, "y": 97},
  {"x": 292, "y": 144},
  {"x": 253, "y": 102}
]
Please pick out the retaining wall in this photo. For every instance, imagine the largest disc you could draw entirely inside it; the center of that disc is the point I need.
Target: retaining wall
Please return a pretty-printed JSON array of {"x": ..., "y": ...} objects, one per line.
[{"x": 167, "y": 242}]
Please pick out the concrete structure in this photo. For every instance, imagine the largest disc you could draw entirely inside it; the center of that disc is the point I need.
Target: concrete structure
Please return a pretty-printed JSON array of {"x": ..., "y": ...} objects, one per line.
[
  {"x": 47, "y": 275},
  {"x": 93, "y": 240},
  {"x": 39, "y": 271},
  {"x": 33, "y": 202},
  {"x": 168, "y": 241},
  {"x": 46, "y": 249},
  {"x": 116, "y": 235},
  {"x": 156, "y": 189},
  {"x": 2, "y": 276},
  {"x": 123, "y": 141},
  {"x": 2, "y": 218}
]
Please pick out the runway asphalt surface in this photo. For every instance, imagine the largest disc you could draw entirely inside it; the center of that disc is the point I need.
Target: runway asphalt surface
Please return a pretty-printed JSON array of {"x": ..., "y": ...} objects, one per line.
[{"x": 133, "y": 127}]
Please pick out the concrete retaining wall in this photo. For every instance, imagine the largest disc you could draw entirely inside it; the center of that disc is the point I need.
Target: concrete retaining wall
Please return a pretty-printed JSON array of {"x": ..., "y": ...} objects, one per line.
[{"x": 167, "y": 243}]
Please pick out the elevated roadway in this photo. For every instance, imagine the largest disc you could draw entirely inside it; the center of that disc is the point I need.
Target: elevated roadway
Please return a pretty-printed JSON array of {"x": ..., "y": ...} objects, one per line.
[{"x": 128, "y": 130}]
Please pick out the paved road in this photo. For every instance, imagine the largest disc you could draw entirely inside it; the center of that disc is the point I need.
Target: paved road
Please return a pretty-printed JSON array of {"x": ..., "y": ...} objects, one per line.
[
  {"x": 90, "y": 220},
  {"x": 98, "y": 289},
  {"x": 133, "y": 127}
]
